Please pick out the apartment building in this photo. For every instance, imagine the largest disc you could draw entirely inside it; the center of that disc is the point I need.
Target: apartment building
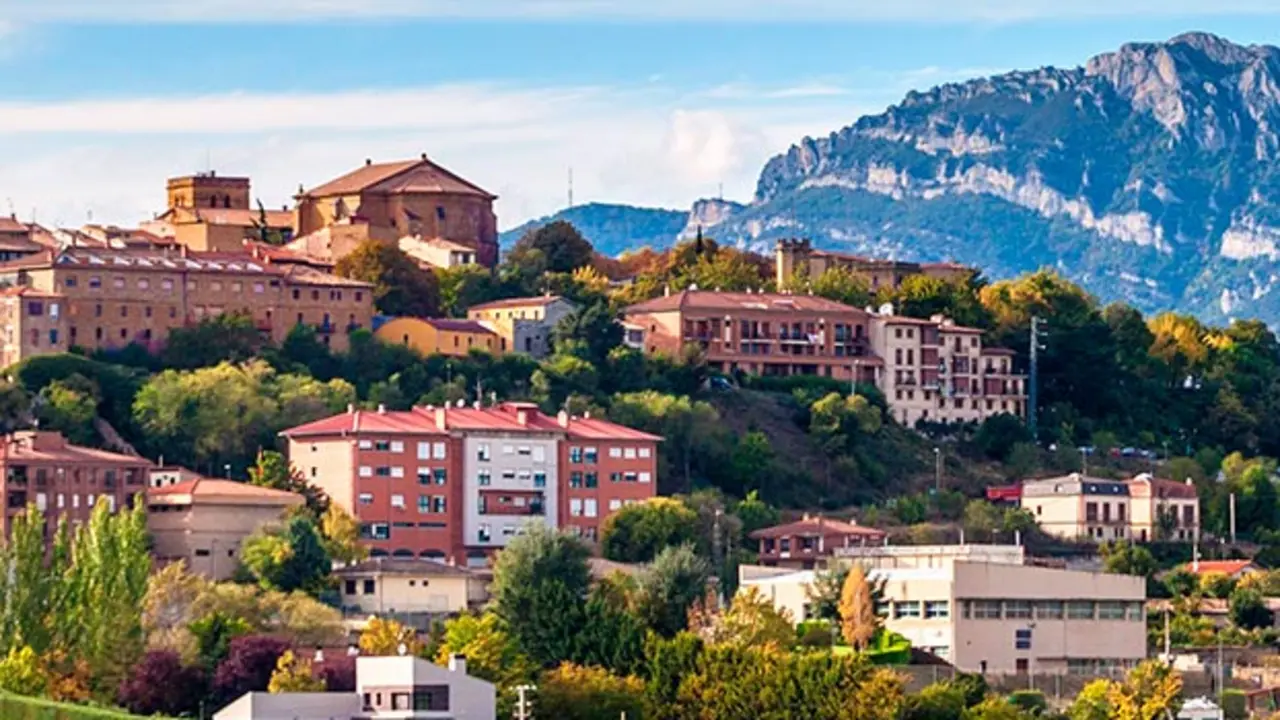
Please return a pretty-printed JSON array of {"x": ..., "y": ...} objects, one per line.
[
  {"x": 810, "y": 541},
  {"x": 203, "y": 522},
  {"x": 388, "y": 201},
  {"x": 761, "y": 333},
  {"x": 17, "y": 239},
  {"x": 985, "y": 609},
  {"x": 525, "y": 324},
  {"x": 460, "y": 482},
  {"x": 794, "y": 257},
  {"x": 1141, "y": 509},
  {"x": 937, "y": 371},
  {"x": 400, "y": 687},
  {"x": 65, "y": 480},
  {"x": 441, "y": 336},
  {"x": 109, "y": 298}
]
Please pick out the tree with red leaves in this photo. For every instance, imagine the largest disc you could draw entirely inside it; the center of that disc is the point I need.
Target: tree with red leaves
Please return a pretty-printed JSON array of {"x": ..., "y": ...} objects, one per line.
[
  {"x": 161, "y": 685},
  {"x": 338, "y": 673},
  {"x": 250, "y": 661}
]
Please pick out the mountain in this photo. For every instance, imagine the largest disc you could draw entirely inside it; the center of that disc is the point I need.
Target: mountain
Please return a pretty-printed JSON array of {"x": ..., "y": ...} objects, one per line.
[
  {"x": 613, "y": 229},
  {"x": 1148, "y": 175}
]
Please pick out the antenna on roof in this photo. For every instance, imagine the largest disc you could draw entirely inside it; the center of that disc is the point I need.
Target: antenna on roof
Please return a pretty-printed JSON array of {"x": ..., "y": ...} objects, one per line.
[{"x": 570, "y": 186}]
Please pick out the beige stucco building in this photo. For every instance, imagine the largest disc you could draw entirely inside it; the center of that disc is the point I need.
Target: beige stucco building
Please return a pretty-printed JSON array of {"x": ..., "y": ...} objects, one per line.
[
  {"x": 525, "y": 324},
  {"x": 984, "y": 609},
  {"x": 203, "y": 522},
  {"x": 385, "y": 585},
  {"x": 1082, "y": 507},
  {"x": 798, "y": 257}
]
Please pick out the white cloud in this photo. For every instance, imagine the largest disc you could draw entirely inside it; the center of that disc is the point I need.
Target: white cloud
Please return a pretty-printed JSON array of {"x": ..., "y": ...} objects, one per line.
[
  {"x": 720, "y": 10},
  {"x": 646, "y": 146}
]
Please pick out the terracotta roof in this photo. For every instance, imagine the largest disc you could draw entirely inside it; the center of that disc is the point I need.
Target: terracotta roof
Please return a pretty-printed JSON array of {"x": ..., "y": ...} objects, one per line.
[
  {"x": 423, "y": 420},
  {"x": 539, "y": 301},
  {"x": 414, "y": 176},
  {"x": 817, "y": 526},
  {"x": 9, "y": 243},
  {"x": 307, "y": 275},
  {"x": 34, "y": 446},
  {"x": 1225, "y": 567},
  {"x": 237, "y": 217},
  {"x": 761, "y": 302},
  {"x": 467, "y": 326},
  {"x": 13, "y": 225},
  {"x": 210, "y": 490},
  {"x": 402, "y": 566},
  {"x": 24, "y": 291},
  {"x": 284, "y": 255}
]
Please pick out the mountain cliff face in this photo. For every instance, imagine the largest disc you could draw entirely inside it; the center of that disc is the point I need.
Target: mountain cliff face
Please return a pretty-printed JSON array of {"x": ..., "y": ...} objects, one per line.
[{"x": 1149, "y": 175}]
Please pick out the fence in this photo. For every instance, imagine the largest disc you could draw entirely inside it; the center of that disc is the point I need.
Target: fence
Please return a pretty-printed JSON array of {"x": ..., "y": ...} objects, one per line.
[{"x": 1057, "y": 686}]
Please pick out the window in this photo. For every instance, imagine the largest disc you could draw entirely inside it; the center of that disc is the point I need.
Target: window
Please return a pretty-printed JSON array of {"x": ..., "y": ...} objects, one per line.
[
  {"x": 397, "y": 446},
  {"x": 440, "y": 475},
  {"x": 424, "y": 451},
  {"x": 482, "y": 452},
  {"x": 589, "y": 507},
  {"x": 645, "y": 477},
  {"x": 35, "y": 308},
  {"x": 1049, "y": 610},
  {"x": 508, "y": 450},
  {"x": 614, "y": 505},
  {"x": 366, "y": 471},
  {"x": 424, "y": 476},
  {"x": 524, "y": 450},
  {"x": 615, "y": 452},
  {"x": 368, "y": 587},
  {"x": 166, "y": 284},
  {"x": 575, "y": 507},
  {"x": 906, "y": 609},
  {"x": 366, "y": 498},
  {"x": 349, "y": 588},
  {"x": 484, "y": 478},
  {"x": 591, "y": 480},
  {"x": 630, "y": 453},
  {"x": 424, "y": 503},
  {"x": 629, "y": 477},
  {"x": 645, "y": 452},
  {"x": 437, "y": 451},
  {"x": 1022, "y": 639},
  {"x": 117, "y": 283},
  {"x": 937, "y": 609},
  {"x": 1111, "y": 610},
  {"x": 575, "y": 479},
  {"x": 1017, "y": 610},
  {"x": 397, "y": 501},
  {"x": 382, "y": 445},
  {"x": 575, "y": 454},
  {"x": 366, "y": 444},
  {"x": 591, "y": 455},
  {"x": 259, "y": 288},
  {"x": 986, "y": 609},
  {"x": 1079, "y": 610},
  {"x": 382, "y": 471},
  {"x": 95, "y": 281},
  {"x": 397, "y": 471},
  {"x": 437, "y": 503},
  {"x": 1137, "y": 612},
  {"x": 540, "y": 479}
]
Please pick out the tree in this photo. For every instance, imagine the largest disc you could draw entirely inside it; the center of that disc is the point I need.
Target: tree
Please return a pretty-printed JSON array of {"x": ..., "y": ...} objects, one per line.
[
  {"x": 491, "y": 652},
  {"x": 998, "y": 434},
  {"x": 637, "y": 533},
  {"x": 384, "y": 636},
  {"x": 1124, "y": 558},
  {"x": 289, "y": 558},
  {"x": 844, "y": 285},
  {"x": 1217, "y": 585},
  {"x": 982, "y": 518},
  {"x": 21, "y": 673},
  {"x": 574, "y": 692},
  {"x": 70, "y": 406},
  {"x": 751, "y": 621},
  {"x": 559, "y": 247},
  {"x": 858, "y": 619},
  {"x": 755, "y": 514},
  {"x": 213, "y": 635},
  {"x": 1181, "y": 582},
  {"x": 751, "y": 462},
  {"x": 248, "y": 667},
  {"x": 939, "y": 701},
  {"x": 294, "y": 674},
  {"x": 337, "y": 673},
  {"x": 540, "y": 581},
  {"x": 400, "y": 287},
  {"x": 1093, "y": 702},
  {"x": 595, "y": 327},
  {"x": 227, "y": 337},
  {"x": 673, "y": 582},
  {"x": 272, "y": 470},
  {"x": 692, "y": 429},
  {"x": 1249, "y": 610},
  {"x": 1150, "y": 692},
  {"x": 463, "y": 286},
  {"x": 341, "y": 534},
  {"x": 160, "y": 684}
]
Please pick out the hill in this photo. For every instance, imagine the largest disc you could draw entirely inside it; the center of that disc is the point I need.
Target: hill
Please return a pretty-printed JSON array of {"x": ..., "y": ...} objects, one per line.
[{"x": 613, "y": 229}]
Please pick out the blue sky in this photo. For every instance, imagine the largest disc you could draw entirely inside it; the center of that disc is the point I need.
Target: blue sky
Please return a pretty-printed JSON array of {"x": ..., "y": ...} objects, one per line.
[{"x": 654, "y": 102}]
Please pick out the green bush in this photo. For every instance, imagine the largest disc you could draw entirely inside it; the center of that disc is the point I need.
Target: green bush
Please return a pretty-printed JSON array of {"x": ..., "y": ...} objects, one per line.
[
  {"x": 14, "y": 707},
  {"x": 1030, "y": 701},
  {"x": 814, "y": 633},
  {"x": 1234, "y": 705}
]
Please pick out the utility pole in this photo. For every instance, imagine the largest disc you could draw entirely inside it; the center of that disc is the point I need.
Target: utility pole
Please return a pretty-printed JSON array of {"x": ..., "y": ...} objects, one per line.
[
  {"x": 937, "y": 470},
  {"x": 715, "y": 556},
  {"x": 1034, "y": 379},
  {"x": 523, "y": 709},
  {"x": 1232, "y": 507}
]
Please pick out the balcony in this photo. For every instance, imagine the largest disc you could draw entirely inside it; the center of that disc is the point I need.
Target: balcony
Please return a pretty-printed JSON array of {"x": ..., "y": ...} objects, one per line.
[{"x": 326, "y": 328}]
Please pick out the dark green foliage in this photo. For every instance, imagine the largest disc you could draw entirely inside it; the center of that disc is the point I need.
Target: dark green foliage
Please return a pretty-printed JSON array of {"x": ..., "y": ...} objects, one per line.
[
  {"x": 673, "y": 582},
  {"x": 1029, "y": 701},
  {"x": 667, "y": 663},
  {"x": 1249, "y": 610},
  {"x": 556, "y": 247},
  {"x": 609, "y": 637},
  {"x": 231, "y": 337},
  {"x": 939, "y": 701},
  {"x": 614, "y": 229},
  {"x": 997, "y": 436},
  {"x": 539, "y": 587},
  {"x": 289, "y": 558},
  {"x": 400, "y": 286},
  {"x": 637, "y": 533},
  {"x": 594, "y": 328}
]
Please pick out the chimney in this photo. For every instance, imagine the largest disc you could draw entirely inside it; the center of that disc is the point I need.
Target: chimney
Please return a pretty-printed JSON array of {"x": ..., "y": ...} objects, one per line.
[
  {"x": 522, "y": 417},
  {"x": 666, "y": 291},
  {"x": 350, "y": 408},
  {"x": 442, "y": 419},
  {"x": 319, "y": 655},
  {"x": 586, "y": 414},
  {"x": 382, "y": 409},
  {"x": 424, "y": 156},
  {"x": 1189, "y": 481},
  {"x": 368, "y": 162},
  {"x": 458, "y": 663},
  {"x": 562, "y": 417}
]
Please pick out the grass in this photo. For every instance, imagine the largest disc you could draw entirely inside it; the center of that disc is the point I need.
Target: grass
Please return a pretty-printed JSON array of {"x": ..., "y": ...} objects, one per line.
[{"x": 15, "y": 707}]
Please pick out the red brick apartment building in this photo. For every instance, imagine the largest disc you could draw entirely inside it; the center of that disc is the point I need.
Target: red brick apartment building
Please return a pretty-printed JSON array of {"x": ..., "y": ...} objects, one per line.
[
  {"x": 459, "y": 482},
  {"x": 65, "y": 480}
]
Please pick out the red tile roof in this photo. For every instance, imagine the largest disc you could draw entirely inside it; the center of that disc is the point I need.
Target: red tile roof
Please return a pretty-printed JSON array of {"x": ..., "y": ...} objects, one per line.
[
  {"x": 45, "y": 446},
  {"x": 541, "y": 300},
  {"x": 209, "y": 490},
  {"x": 1166, "y": 488},
  {"x": 1225, "y": 567},
  {"x": 818, "y": 526},
  {"x": 13, "y": 225},
  {"x": 760, "y": 302},
  {"x": 414, "y": 176},
  {"x": 505, "y": 417}
]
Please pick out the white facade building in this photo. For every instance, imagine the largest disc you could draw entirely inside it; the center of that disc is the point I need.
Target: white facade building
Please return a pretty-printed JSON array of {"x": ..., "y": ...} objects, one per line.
[{"x": 509, "y": 480}]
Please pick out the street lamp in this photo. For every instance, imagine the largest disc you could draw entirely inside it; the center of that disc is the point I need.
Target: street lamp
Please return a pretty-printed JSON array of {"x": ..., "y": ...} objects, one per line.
[{"x": 937, "y": 470}]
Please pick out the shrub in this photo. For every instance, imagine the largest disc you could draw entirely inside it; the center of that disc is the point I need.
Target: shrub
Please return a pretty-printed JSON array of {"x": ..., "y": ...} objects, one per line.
[{"x": 1031, "y": 701}]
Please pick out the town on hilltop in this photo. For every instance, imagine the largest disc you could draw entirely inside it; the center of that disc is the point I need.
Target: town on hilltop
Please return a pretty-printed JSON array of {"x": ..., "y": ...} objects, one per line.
[{"x": 352, "y": 459}]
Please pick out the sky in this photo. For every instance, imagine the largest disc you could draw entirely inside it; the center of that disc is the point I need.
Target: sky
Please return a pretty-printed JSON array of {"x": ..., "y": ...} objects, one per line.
[{"x": 644, "y": 102}]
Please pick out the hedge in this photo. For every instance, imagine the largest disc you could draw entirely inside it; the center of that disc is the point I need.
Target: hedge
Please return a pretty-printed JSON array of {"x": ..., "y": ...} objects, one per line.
[{"x": 15, "y": 707}]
